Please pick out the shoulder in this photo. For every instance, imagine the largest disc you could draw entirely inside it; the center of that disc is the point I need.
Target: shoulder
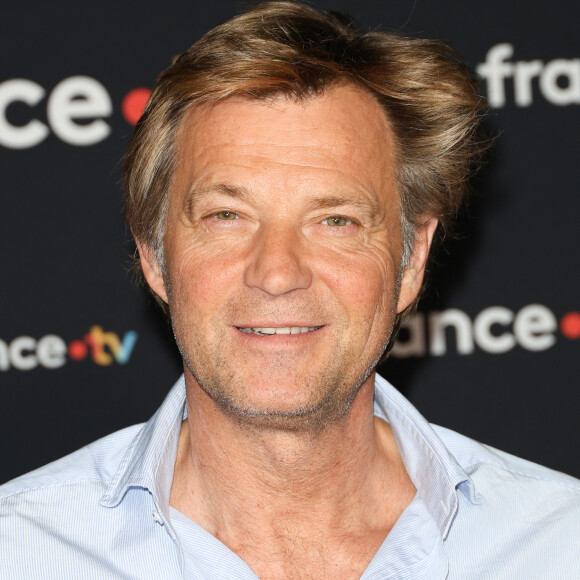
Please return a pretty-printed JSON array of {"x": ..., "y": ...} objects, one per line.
[
  {"x": 522, "y": 519},
  {"x": 57, "y": 507},
  {"x": 521, "y": 516},
  {"x": 54, "y": 522},
  {"x": 95, "y": 463}
]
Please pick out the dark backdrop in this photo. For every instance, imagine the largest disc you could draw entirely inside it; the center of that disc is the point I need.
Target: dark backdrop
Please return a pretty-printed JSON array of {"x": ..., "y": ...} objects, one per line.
[{"x": 494, "y": 352}]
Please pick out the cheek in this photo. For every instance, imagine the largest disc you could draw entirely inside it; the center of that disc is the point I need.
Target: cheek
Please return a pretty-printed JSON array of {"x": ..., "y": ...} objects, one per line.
[
  {"x": 364, "y": 282},
  {"x": 201, "y": 276},
  {"x": 370, "y": 269}
]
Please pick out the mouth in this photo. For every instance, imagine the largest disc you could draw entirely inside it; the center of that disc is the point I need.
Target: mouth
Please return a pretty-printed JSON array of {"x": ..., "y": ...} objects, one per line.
[{"x": 269, "y": 331}]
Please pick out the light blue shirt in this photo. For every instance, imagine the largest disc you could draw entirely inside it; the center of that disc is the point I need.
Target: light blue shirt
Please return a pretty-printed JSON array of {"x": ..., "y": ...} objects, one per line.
[{"x": 103, "y": 511}]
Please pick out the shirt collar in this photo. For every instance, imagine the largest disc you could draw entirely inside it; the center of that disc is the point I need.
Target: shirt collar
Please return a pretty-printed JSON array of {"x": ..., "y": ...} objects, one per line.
[
  {"x": 150, "y": 459},
  {"x": 435, "y": 473}
]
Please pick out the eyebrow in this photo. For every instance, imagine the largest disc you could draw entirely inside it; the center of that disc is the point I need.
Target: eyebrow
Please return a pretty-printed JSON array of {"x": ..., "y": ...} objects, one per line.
[
  {"x": 368, "y": 205},
  {"x": 197, "y": 193}
]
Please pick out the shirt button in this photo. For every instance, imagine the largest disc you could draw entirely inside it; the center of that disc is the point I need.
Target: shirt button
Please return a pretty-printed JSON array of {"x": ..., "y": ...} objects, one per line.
[{"x": 157, "y": 517}]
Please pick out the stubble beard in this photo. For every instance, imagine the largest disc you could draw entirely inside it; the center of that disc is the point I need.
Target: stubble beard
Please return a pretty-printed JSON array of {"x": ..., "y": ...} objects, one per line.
[{"x": 331, "y": 394}]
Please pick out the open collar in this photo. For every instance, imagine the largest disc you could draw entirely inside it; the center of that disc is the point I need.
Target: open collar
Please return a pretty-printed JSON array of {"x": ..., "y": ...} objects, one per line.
[{"x": 150, "y": 459}]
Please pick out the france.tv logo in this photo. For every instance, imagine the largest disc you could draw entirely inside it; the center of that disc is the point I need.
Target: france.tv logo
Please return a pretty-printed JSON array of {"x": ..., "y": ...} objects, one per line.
[{"x": 51, "y": 351}]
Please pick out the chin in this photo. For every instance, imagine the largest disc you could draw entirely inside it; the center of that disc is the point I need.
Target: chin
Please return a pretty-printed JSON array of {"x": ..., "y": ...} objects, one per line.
[{"x": 291, "y": 412}]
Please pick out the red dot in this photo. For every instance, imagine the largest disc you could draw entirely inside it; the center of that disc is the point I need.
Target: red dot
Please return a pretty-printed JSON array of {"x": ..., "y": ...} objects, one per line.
[
  {"x": 77, "y": 350},
  {"x": 570, "y": 325},
  {"x": 134, "y": 103}
]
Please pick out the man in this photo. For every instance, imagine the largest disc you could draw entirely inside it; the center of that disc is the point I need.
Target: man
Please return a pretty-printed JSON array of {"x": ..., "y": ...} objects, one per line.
[{"x": 284, "y": 188}]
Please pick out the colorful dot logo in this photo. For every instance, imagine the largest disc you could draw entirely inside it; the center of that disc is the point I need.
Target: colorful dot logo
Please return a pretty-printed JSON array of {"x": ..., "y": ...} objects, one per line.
[
  {"x": 570, "y": 325},
  {"x": 77, "y": 350},
  {"x": 50, "y": 351},
  {"x": 134, "y": 104}
]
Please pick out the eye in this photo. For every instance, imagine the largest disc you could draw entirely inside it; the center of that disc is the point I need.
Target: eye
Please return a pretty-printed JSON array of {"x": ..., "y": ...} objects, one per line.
[
  {"x": 226, "y": 215},
  {"x": 336, "y": 221}
]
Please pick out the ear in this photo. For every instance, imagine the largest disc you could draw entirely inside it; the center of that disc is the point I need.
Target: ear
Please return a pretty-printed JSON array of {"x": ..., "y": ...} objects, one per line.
[
  {"x": 415, "y": 270},
  {"x": 151, "y": 270}
]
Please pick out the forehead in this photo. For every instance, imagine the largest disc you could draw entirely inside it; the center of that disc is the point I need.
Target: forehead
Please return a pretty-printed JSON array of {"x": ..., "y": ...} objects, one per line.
[{"x": 341, "y": 136}]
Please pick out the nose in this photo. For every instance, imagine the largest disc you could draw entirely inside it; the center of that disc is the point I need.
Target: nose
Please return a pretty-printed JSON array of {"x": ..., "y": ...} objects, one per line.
[{"x": 278, "y": 261}]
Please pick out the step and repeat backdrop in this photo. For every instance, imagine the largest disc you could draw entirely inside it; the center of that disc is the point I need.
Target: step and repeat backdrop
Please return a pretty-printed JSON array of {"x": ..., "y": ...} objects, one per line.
[{"x": 494, "y": 350}]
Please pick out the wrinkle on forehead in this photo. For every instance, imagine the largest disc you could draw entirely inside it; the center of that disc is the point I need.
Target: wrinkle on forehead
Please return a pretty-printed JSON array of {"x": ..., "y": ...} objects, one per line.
[{"x": 312, "y": 138}]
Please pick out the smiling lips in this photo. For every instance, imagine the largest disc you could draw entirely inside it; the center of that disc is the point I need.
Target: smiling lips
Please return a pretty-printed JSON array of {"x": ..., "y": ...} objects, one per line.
[{"x": 265, "y": 331}]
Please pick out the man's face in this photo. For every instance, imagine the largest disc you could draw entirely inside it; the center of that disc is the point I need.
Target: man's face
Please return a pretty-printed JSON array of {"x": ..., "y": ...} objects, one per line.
[{"x": 282, "y": 250}]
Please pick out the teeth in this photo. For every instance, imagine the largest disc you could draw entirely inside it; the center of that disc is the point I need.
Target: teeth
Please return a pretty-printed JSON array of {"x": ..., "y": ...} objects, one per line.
[{"x": 262, "y": 331}]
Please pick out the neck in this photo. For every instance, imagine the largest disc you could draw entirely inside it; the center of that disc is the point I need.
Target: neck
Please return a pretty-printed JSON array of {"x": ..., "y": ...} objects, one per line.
[{"x": 233, "y": 480}]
